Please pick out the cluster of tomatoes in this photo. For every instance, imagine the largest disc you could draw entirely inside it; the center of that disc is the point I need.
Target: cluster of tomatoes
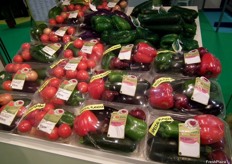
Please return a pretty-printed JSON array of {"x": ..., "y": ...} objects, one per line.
[
  {"x": 31, "y": 121},
  {"x": 120, "y": 6},
  {"x": 23, "y": 54},
  {"x": 50, "y": 34}
]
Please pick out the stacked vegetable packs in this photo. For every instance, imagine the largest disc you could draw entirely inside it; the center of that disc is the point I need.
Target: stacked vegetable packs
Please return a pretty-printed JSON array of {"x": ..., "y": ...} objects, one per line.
[{"x": 136, "y": 85}]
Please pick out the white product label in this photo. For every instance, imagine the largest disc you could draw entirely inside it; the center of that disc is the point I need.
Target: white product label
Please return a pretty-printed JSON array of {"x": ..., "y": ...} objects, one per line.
[
  {"x": 92, "y": 7},
  {"x": 112, "y": 3},
  {"x": 49, "y": 121},
  {"x": 61, "y": 31},
  {"x": 19, "y": 79},
  {"x": 117, "y": 124},
  {"x": 66, "y": 88},
  {"x": 88, "y": 46},
  {"x": 73, "y": 14},
  {"x": 201, "y": 92},
  {"x": 73, "y": 63},
  {"x": 66, "y": 2},
  {"x": 129, "y": 84},
  {"x": 125, "y": 52},
  {"x": 51, "y": 48},
  {"x": 192, "y": 57}
]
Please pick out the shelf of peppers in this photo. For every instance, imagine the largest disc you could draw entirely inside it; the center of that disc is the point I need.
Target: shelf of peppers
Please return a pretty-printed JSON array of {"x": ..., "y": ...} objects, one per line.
[{"x": 120, "y": 84}]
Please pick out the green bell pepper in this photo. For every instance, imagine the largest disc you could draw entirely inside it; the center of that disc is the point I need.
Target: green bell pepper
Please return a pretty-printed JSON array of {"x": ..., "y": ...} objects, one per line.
[
  {"x": 75, "y": 99},
  {"x": 169, "y": 129},
  {"x": 37, "y": 31},
  {"x": 135, "y": 128},
  {"x": 120, "y": 23},
  {"x": 189, "y": 30},
  {"x": 101, "y": 23},
  {"x": 188, "y": 87},
  {"x": 189, "y": 44},
  {"x": 53, "y": 12},
  {"x": 67, "y": 118},
  {"x": 167, "y": 41},
  {"x": 105, "y": 63},
  {"x": 115, "y": 76},
  {"x": 148, "y": 35},
  {"x": 163, "y": 61},
  {"x": 119, "y": 37}
]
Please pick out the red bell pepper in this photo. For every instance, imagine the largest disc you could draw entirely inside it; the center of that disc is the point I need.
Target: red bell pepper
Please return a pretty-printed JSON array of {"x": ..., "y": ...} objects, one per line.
[
  {"x": 84, "y": 123},
  {"x": 144, "y": 53},
  {"x": 96, "y": 88},
  {"x": 211, "y": 128},
  {"x": 161, "y": 96},
  {"x": 210, "y": 66}
]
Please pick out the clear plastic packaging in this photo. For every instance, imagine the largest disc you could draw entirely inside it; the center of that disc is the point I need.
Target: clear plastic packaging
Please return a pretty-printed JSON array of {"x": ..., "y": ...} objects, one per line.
[
  {"x": 132, "y": 57},
  {"x": 112, "y": 127},
  {"x": 119, "y": 5},
  {"x": 61, "y": 92},
  {"x": 188, "y": 139},
  {"x": 12, "y": 107},
  {"x": 45, "y": 121},
  {"x": 196, "y": 95},
  {"x": 119, "y": 86},
  {"x": 198, "y": 62}
]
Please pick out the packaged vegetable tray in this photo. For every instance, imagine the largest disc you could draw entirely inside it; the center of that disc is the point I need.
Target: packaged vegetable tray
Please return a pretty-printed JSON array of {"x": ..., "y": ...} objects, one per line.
[
  {"x": 197, "y": 62},
  {"x": 198, "y": 139},
  {"x": 111, "y": 5},
  {"x": 119, "y": 86},
  {"x": 60, "y": 92},
  {"x": 197, "y": 95},
  {"x": 12, "y": 107},
  {"x": 111, "y": 126},
  {"x": 45, "y": 121}
]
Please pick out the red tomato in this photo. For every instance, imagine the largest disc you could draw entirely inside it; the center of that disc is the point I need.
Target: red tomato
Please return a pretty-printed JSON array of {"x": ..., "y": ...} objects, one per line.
[
  {"x": 48, "y": 92},
  {"x": 48, "y": 107},
  {"x": 26, "y": 55},
  {"x": 71, "y": 7},
  {"x": 59, "y": 19},
  {"x": 58, "y": 72},
  {"x": 78, "y": 43},
  {"x": 10, "y": 67},
  {"x": 24, "y": 126},
  {"x": 68, "y": 53},
  {"x": 17, "y": 59},
  {"x": 52, "y": 21},
  {"x": 91, "y": 64},
  {"x": 64, "y": 131},
  {"x": 57, "y": 101},
  {"x": 54, "y": 38},
  {"x": 6, "y": 85},
  {"x": 25, "y": 65},
  {"x": 53, "y": 135},
  {"x": 80, "y": 14},
  {"x": 83, "y": 75},
  {"x": 55, "y": 82},
  {"x": 66, "y": 38},
  {"x": 21, "y": 111},
  {"x": 25, "y": 46},
  {"x": 16, "y": 67},
  {"x": 83, "y": 54},
  {"x": 71, "y": 74},
  {"x": 64, "y": 15},
  {"x": 78, "y": 7},
  {"x": 71, "y": 30},
  {"x": 98, "y": 49},
  {"x": 82, "y": 87},
  {"x": 82, "y": 66},
  {"x": 65, "y": 9},
  {"x": 44, "y": 38}
]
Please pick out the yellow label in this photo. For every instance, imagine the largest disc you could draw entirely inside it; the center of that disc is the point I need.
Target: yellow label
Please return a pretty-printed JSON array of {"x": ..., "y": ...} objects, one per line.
[
  {"x": 56, "y": 63},
  {"x": 112, "y": 48},
  {"x": 33, "y": 108},
  {"x": 66, "y": 45},
  {"x": 99, "y": 76},
  {"x": 93, "y": 107},
  {"x": 45, "y": 84},
  {"x": 156, "y": 124},
  {"x": 162, "y": 80},
  {"x": 164, "y": 51}
]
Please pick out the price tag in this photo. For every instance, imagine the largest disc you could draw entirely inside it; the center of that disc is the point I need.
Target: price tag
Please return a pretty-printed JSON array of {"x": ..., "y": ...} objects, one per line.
[
  {"x": 73, "y": 63},
  {"x": 192, "y": 57},
  {"x": 66, "y": 88},
  {"x": 73, "y": 14},
  {"x": 51, "y": 49},
  {"x": 189, "y": 139},
  {"x": 61, "y": 31},
  {"x": 125, "y": 52},
  {"x": 112, "y": 3},
  {"x": 88, "y": 46},
  {"x": 129, "y": 84},
  {"x": 49, "y": 121},
  {"x": 19, "y": 79},
  {"x": 66, "y": 2},
  {"x": 117, "y": 124},
  {"x": 9, "y": 112},
  {"x": 201, "y": 92}
]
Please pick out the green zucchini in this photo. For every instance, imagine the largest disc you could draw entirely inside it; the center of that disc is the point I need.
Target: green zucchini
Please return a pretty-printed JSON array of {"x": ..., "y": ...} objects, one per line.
[
  {"x": 142, "y": 6},
  {"x": 102, "y": 141},
  {"x": 165, "y": 29},
  {"x": 159, "y": 19}
]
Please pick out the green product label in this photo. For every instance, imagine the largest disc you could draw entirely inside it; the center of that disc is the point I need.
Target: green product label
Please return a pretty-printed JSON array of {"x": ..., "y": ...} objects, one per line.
[
  {"x": 66, "y": 88},
  {"x": 19, "y": 79}
]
